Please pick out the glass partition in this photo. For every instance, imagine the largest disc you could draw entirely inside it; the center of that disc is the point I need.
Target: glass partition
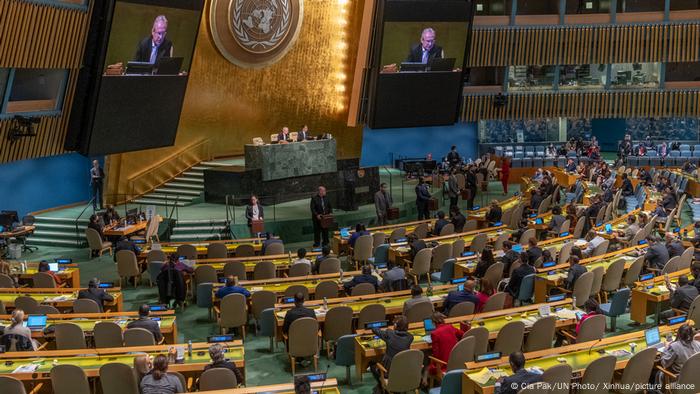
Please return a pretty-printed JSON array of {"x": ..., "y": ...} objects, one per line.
[
  {"x": 529, "y": 78},
  {"x": 584, "y": 76},
  {"x": 36, "y": 90},
  {"x": 518, "y": 131},
  {"x": 663, "y": 129},
  {"x": 635, "y": 75}
]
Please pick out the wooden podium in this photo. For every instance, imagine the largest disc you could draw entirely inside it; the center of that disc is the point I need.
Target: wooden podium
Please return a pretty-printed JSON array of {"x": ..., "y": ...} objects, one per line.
[
  {"x": 392, "y": 213},
  {"x": 257, "y": 226},
  {"x": 327, "y": 221}
]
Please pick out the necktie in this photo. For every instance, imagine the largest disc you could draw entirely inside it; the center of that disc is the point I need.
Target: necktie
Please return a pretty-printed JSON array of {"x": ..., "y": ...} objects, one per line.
[
  {"x": 425, "y": 57},
  {"x": 154, "y": 53},
  {"x": 323, "y": 206}
]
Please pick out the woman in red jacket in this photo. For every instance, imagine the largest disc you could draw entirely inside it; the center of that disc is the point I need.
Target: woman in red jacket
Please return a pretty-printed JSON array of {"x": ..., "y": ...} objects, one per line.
[
  {"x": 505, "y": 172},
  {"x": 444, "y": 338}
]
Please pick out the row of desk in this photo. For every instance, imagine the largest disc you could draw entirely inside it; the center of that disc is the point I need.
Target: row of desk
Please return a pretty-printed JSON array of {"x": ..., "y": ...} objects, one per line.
[{"x": 62, "y": 298}]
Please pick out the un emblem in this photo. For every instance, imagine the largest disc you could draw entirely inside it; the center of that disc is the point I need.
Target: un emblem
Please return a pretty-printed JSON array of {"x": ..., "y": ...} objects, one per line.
[{"x": 254, "y": 33}]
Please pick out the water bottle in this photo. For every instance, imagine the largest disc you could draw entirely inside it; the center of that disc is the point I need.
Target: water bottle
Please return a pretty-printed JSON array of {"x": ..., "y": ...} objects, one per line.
[
  {"x": 189, "y": 348},
  {"x": 574, "y": 297},
  {"x": 325, "y": 303},
  {"x": 429, "y": 291}
]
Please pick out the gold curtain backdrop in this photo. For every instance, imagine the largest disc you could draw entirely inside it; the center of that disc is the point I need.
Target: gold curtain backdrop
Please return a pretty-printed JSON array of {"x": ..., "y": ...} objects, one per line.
[{"x": 229, "y": 105}]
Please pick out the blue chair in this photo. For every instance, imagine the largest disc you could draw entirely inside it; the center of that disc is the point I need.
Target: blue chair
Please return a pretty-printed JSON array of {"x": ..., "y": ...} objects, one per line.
[
  {"x": 537, "y": 162},
  {"x": 696, "y": 153},
  {"x": 527, "y": 162},
  {"x": 527, "y": 288},
  {"x": 381, "y": 255},
  {"x": 632, "y": 161},
  {"x": 685, "y": 153},
  {"x": 683, "y": 147},
  {"x": 268, "y": 326},
  {"x": 446, "y": 273},
  {"x": 617, "y": 306},
  {"x": 654, "y": 161},
  {"x": 675, "y": 153},
  {"x": 652, "y": 153},
  {"x": 451, "y": 383},
  {"x": 345, "y": 354},
  {"x": 204, "y": 296},
  {"x": 540, "y": 151},
  {"x": 561, "y": 162},
  {"x": 518, "y": 154},
  {"x": 643, "y": 161},
  {"x": 516, "y": 163}
]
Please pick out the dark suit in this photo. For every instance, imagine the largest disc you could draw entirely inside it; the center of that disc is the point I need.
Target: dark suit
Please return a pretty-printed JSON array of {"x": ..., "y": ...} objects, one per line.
[
  {"x": 439, "y": 224},
  {"x": 416, "y": 54},
  {"x": 296, "y": 313},
  {"x": 453, "y": 190},
  {"x": 455, "y": 297},
  {"x": 514, "y": 383},
  {"x": 97, "y": 295},
  {"x": 516, "y": 280},
  {"x": 683, "y": 296},
  {"x": 356, "y": 280},
  {"x": 674, "y": 249},
  {"x": 302, "y": 136},
  {"x": 494, "y": 215},
  {"x": 657, "y": 256},
  {"x": 382, "y": 203},
  {"x": 281, "y": 137},
  {"x": 459, "y": 221},
  {"x": 422, "y": 197},
  {"x": 320, "y": 206},
  {"x": 148, "y": 324},
  {"x": 574, "y": 273},
  {"x": 143, "y": 51}
]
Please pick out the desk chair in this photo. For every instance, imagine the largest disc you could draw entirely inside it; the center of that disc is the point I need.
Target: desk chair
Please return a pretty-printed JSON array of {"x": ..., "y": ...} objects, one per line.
[
  {"x": 370, "y": 313},
  {"x": 217, "y": 379},
  {"x": 541, "y": 334},
  {"x": 558, "y": 378},
  {"x": 637, "y": 371},
  {"x": 381, "y": 254},
  {"x": 264, "y": 270},
  {"x": 297, "y": 270},
  {"x": 464, "y": 308},
  {"x": 688, "y": 376},
  {"x": 6, "y": 281},
  {"x": 11, "y": 385},
  {"x": 616, "y": 307},
  {"x": 95, "y": 242},
  {"x": 446, "y": 273},
  {"x": 481, "y": 339},
  {"x": 326, "y": 289},
  {"x": 27, "y": 220},
  {"x": 451, "y": 383},
  {"x": 85, "y": 305},
  {"x": 303, "y": 341},
  {"x": 397, "y": 234},
  {"x": 268, "y": 326},
  {"x": 69, "y": 336},
  {"x": 28, "y": 304},
  {"x": 338, "y": 323},
  {"x": 235, "y": 268},
  {"x": 419, "y": 311},
  {"x": 187, "y": 250},
  {"x": 118, "y": 378},
  {"x": 233, "y": 313},
  {"x": 259, "y": 301},
  {"x": 479, "y": 243},
  {"x": 245, "y": 251},
  {"x": 42, "y": 280},
  {"x": 330, "y": 265},
  {"x": 441, "y": 253},
  {"x": 510, "y": 338},
  {"x": 294, "y": 289},
  {"x": 138, "y": 337},
  {"x": 421, "y": 265},
  {"x": 345, "y": 354},
  {"x": 69, "y": 379},
  {"x": 495, "y": 302},
  {"x": 405, "y": 374},
  {"x": 597, "y": 374},
  {"x": 108, "y": 334},
  {"x": 204, "y": 297},
  {"x": 462, "y": 352},
  {"x": 217, "y": 251},
  {"x": 363, "y": 289},
  {"x": 458, "y": 248}
]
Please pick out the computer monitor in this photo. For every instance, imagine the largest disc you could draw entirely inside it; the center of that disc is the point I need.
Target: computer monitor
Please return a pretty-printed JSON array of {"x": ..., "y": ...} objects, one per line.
[
  {"x": 608, "y": 228},
  {"x": 413, "y": 67},
  {"x": 139, "y": 68},
  {"x": 539, "y": 221},
  {"x": 53, "y": 267},
  {"x": 36, "y": 321},
  {"x": 517, "y": 248},
  {"x": 345, "y": 232},
  {"x": 441, "y": 64},
  {"x": 652, "y": 336},
  {"x": 168, "y": 66}
]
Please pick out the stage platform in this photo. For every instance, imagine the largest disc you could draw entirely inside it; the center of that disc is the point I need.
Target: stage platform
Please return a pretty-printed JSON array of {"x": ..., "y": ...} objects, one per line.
[{"x": 290, "y": 220}]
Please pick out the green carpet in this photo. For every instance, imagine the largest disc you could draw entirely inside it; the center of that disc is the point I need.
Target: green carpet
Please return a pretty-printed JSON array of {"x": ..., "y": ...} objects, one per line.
[{"x": 262, "y": 367}]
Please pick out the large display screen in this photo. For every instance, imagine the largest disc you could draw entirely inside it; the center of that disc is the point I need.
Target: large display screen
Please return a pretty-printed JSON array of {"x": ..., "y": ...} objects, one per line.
[
  {"x": 137, "y": 67},
  {"x": 418, "y": 62}
]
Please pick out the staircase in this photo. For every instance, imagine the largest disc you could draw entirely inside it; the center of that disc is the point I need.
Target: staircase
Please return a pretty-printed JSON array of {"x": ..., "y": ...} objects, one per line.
[
  {"x": 200, "y": 230},
  {"x": 56, "y": 231},
  {"x": 183, "y": 190}
]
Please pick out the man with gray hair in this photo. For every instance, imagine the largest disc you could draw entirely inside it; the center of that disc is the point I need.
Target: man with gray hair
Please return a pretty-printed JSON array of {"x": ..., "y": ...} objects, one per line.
[
  {"x": 426, "y": 50},
  {"x": 155, "y": 46}
]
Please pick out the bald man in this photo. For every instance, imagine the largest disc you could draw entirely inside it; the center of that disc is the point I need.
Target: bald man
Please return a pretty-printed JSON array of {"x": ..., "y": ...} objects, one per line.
[{"x": 426, "y": 50}]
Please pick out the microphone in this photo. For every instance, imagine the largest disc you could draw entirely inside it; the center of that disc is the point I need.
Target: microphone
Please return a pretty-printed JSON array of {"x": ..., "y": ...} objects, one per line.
[
  {"x": 325, "y": 379},
  {"x": 592, "y": 346}
]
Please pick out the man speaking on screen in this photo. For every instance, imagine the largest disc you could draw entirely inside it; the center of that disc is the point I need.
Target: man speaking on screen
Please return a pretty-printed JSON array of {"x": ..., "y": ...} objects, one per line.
[
  {"x": 155, "y": 46},
  {"x": 426, "y": 50}
]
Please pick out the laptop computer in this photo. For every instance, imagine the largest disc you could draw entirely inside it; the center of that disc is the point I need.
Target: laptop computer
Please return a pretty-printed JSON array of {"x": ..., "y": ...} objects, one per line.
[
  {"x": 168, "y": 66},
  {"x": 36, "y": 322},
  {"x": 653, "y": 338},
  {"x": 53, "y": 267},
  {"x": 345, "y": 232},
  {"x": 608, "y": 228}
]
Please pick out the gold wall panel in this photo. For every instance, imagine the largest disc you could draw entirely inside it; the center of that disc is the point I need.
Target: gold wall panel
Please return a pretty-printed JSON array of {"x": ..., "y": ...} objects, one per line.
[
  {"x": 41, "y": 36},
  {"x": 676, "y": 103},
  {"x": 506, "y": 46},
  {"x": 229, "y": 105}
]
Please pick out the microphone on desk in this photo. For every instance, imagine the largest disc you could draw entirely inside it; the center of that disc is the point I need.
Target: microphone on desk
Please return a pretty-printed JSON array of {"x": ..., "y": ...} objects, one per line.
[
  {"x": 325, "y": 379},
  {"x": 592, "y": 346}
]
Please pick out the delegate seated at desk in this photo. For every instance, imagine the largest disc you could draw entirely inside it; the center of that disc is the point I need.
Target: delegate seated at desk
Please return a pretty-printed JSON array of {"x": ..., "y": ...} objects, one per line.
[
  {"x": 283, "y": 136},
  {"x": 155, "y": 46},
  {"x": 426, "y": 50}
]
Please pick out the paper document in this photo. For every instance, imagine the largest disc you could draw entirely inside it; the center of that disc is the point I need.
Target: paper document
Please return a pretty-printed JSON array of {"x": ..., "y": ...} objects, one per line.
[
  {"x": 26, "y": 368},
  {"x": 486, "y": 374}
]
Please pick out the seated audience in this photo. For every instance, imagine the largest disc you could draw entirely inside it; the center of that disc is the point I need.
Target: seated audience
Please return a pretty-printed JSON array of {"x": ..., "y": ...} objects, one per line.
[
  {"x": 175, "y": 263},
  {"x": 520, "y": 378},
  {"x": 660, "y": 211},
  {"x": 534, "y": 252},
  {"x": 416, "y": 297},
  {"x": 6, "y": 269},
  {"x": 486, "y": 290},
  {"x": 591, "y": 308},
  {"x": 143, "y": 363},
  {"x": 679, "y": 351},
  {"x": 145, "y": 322},
  {"x": 301, "y": 258},
  {"x": 657, "y": 254},
  {"x": 575, "y": 271},
  {"x": 485, "y": 261},
  {"x": 494, "y": 214},
  {"x": 45, "y": 268},
  {"x": 416, "y": 244},
  {"x": 557, "y": 220},
  {"x": 96, "y": 225},
  {"x": 526, "y": 268},
  {"x": 269, "y": 240},
  {"x": 93, "y": 292},
  {"x": 110, "y": 216},
  {"x": 509, "y": 255},
  {"x": 297, "y": 312},
  {"x": 673, "y": 245},
  {"x": 631, "y": 230},
  {"x": 325, "y": 253},
  {"x": 443, "y": 339},
  {"x": 159, "y": 381},
  {"x": 365, "y": 277},
  {"x": 218, "y": 360},
  {"x": 231, "y": 287},
  {"x": 125, "y": 244},
  {"x": 458, "y": 219},
  {"x": 397, "y": 340},
  {"x": 22, "y": 334},
  {"x": 392, "y": 274},
  {"x": 466, "y": 294},
  {"x": 360, "y": 230},
  {"x": 683, "y": 294},
  {"x": 439, "y": 223}
]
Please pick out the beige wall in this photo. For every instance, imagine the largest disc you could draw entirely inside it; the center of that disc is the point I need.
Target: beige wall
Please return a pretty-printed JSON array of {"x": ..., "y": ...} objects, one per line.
[{"x": 230, "y": 105}]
